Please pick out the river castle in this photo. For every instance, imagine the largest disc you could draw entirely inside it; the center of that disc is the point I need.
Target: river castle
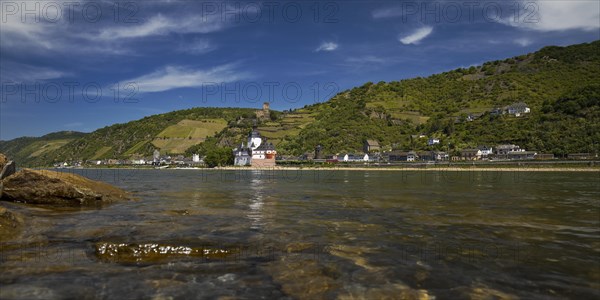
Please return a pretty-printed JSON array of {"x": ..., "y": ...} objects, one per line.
[{"x": 257, "y": 152}]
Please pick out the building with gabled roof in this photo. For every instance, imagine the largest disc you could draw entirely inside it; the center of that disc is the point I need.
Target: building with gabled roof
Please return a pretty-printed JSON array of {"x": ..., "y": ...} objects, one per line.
[
  {"x": 470, "y": 154},
  {"x": 485, "y": 150},
  {"x": 257, "y": 152},
  {"x": 371, "y": 146},
  {"x": 402, "y": 156}
]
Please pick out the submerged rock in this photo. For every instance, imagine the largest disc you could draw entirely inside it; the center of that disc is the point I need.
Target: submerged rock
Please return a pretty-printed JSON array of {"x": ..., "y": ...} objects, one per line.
[
  {"x": 27, "y": 291},
  {"x": 56, "y": 188},
  {"x": 387, "y": 291},
  {"x": 354, "y": 254},
  {"x": 10, "y": 224},
  {"x": 298, "y": 247},
  {"x": 305, "y": 278},
  {"x": 482, "y": 292},
  {"x": 154, "y": 252}
]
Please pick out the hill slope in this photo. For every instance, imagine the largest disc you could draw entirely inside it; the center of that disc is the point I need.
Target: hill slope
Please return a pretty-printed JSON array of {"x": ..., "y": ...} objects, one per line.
[
  {"x": 392, "y": 112},
  {"x": 559, "y": 84},
  {"x": 135, "y": 138},
  {"x": 28, "y": 148}
]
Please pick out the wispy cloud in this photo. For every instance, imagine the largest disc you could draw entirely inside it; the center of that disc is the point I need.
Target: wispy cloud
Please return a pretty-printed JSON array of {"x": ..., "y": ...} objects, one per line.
[
  {"x": 416, "y": 36},
  {"x": 31, "y": 29},
  {"x": 523, "y": 42},
  {"x": 558, "y": 15},
  {"x": 198, "y": 46},
  {"x": 387, "y": 12},
  {"x": 22, "y": 73},
  {"x": 327, "y": 46},
  {"x": 173, "y": 77},
  {"x": 369, "y": 63},
  {"x": 162, "y": 25},
  {"x": 38, "y": 32}
]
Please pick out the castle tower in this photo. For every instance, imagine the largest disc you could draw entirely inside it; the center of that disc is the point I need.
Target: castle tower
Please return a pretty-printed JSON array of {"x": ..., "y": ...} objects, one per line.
[
  {"x": 318, "y": 152},
  {"x": 254, "y": 139}
]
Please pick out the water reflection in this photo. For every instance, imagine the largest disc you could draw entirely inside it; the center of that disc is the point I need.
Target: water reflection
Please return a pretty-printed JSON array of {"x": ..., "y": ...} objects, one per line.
[{"x": 255, "y": 208}]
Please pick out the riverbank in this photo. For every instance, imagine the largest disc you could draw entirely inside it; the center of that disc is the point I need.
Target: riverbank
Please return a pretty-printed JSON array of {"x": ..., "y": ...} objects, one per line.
[
  {"x": 559, "y": 166},
  {"x": 387, "y": 169},
  {"x": 429, "y": 169}
]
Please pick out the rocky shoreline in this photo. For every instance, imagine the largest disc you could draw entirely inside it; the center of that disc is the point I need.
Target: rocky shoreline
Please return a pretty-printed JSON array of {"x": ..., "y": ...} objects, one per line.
[{"x": 49, "y": 189}]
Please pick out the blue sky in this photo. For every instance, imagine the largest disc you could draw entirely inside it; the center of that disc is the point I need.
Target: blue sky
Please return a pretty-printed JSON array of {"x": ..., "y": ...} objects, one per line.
[{"x": 83, "y": 65}]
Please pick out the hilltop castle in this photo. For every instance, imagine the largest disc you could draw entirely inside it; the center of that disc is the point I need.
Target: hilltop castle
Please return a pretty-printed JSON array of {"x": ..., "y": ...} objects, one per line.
[
  {"x": 257, "y": 152},
  {"x": 264, "y": 113}
]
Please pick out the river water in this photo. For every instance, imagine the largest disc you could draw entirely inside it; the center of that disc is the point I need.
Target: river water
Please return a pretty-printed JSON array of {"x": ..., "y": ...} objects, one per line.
[{"x": 243, "y": 234}]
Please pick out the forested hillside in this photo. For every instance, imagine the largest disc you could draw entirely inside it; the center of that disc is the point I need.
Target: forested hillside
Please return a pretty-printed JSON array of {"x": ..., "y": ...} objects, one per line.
[
  {"x": 559, "y": 84},
  {"x": 126, "y": 140},
  {"x": 27, "y": 148}
]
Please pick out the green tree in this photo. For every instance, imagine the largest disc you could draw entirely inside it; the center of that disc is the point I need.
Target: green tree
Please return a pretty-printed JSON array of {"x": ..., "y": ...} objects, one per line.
[{"x": 219, "y": 157}]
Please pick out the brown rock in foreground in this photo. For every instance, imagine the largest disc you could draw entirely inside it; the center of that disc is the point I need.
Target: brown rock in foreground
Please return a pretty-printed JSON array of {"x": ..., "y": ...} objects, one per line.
[
  {"x": 3, "y": 161},
  {"x": 59, "y": 189},
  {"x": 10, "y": 224},
  {"x": 7, "y": 167}
]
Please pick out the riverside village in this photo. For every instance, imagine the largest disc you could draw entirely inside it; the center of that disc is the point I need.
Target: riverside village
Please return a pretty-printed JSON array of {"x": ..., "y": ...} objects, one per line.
[{"x": 257, "y": 151}]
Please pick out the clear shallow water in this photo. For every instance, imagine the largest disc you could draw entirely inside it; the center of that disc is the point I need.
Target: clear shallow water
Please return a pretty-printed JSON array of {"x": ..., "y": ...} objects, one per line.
[{"x": 316, "y": 234}]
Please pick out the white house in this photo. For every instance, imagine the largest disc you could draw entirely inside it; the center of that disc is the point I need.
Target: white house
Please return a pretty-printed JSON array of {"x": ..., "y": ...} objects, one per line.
[
  {"x": 138, "y": 161},
  {"x": 485, "y": 150},
  {"x": 402, "y": 156},
  {"x": 195, "y": 158},
  {"x": 242, "y": 156},
  {"x": 433, "y": 141},
  {"x": 505, "y": 149},
  {"x": 518, "y": 109},
  {"x": 156, "y": 157},
  {"x": 411, "y": 156}
]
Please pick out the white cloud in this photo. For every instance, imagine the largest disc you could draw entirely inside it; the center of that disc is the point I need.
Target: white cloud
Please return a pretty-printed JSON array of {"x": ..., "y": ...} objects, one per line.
[
  {"x": 50, "y": 27},
  {"x": 327, "y": 46},
  {"x": 387, "y": 12},
  {"x": 161, "y": 25},
  {"x": 18, "y": 72},
  {"x": 41, "y": 31},
  {"x": 523, "y": 42},
  {"x": 198, "y": 46},
  {"x": 33, "y": 28},
  {"x": 369, "y": 63},
  {"x": 558, "y": 15},
  {"x": 417, "y": 36},
  {"x": 173, "y": 77}
]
